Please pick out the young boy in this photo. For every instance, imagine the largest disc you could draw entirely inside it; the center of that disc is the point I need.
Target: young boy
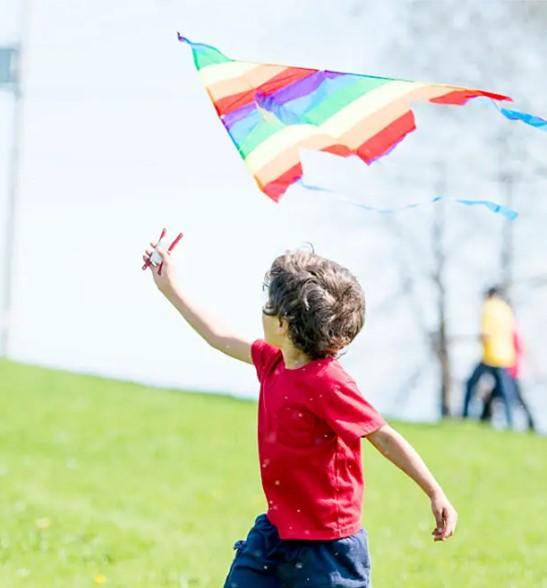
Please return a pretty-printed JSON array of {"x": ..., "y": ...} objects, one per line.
[{"x": 311, "y": 417}]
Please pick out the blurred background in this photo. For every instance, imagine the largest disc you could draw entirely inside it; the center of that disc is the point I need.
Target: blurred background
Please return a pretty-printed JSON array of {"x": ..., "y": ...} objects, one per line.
[
  {"x": 116, "y": 138},
  {"x": 106, "y": 136}
]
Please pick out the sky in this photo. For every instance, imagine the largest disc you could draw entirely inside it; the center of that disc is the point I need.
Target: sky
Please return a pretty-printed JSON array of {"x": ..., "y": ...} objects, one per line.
[{"x": 119, "y": 140}]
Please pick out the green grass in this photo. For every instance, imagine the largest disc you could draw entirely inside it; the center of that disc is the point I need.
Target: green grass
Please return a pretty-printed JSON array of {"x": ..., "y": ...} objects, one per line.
[{"x": 102, "y": 481}]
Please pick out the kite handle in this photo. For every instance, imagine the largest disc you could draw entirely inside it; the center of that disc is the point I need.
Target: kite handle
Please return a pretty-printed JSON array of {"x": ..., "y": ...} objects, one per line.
[
  {"x": 170, "y": 248},
  {"x": 148, "y": 262}
]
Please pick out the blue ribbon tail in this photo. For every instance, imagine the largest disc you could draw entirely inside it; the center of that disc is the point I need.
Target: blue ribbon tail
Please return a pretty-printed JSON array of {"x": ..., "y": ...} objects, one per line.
[
  {"x": 526, "y": 118},
  {"x": 494, "y": 207},
  {"x": 505, "y": 211}
]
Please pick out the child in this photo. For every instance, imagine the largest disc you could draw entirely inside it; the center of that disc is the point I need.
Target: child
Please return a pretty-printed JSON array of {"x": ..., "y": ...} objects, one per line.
[{"x": 311, "y": 417}]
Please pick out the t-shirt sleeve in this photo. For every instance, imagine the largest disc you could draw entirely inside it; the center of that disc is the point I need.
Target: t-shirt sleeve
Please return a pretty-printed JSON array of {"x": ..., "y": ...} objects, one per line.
[
  {"x": 346, "y": 412},
  {"x": 263, "y": 355}
]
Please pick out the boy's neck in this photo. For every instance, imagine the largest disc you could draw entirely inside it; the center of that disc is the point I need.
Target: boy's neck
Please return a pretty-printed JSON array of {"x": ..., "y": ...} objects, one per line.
[{"x": 294, "y": 358}]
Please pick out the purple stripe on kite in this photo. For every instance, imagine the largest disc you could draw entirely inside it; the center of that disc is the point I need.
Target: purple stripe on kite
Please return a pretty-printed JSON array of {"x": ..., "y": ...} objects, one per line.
[
  {"x": 307, "y": 95},
  {"x": 301, "y": 88},
  {"x": 237, "y": 115},
  {"x": 291, "y": 112},
  {"x": 296, "y": 90},
  {"x": 294, "y": 111},
  {"x": 298, "y": 98},
  {"x": 302, "y": 93}
]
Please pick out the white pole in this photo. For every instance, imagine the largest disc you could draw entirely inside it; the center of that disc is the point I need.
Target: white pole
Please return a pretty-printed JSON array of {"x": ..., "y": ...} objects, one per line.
[{"x": 13, "y": 185}]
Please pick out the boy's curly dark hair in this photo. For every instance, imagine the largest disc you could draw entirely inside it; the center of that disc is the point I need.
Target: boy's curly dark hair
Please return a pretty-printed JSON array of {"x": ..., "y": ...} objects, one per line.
[{"x": 322, "y": 302}]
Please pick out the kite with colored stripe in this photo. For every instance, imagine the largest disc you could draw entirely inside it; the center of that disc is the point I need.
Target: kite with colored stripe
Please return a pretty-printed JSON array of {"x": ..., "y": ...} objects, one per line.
[{"x": 271, "y": 112}]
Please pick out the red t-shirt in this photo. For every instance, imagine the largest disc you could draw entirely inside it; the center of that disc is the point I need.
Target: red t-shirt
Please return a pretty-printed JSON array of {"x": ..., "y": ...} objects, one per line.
[{"x": 310, "y": 423}]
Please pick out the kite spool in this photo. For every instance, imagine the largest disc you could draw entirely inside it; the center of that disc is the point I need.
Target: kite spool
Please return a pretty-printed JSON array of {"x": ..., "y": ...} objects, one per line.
[{"x": 154, "y": 259}]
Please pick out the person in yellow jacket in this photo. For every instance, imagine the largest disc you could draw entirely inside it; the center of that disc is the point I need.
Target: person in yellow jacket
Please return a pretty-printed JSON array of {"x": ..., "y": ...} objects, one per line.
[{"x": 498, "y": 351}]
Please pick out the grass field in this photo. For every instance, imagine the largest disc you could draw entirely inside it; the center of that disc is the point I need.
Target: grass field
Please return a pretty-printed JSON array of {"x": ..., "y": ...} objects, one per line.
[{"x": 115, "y": 484}]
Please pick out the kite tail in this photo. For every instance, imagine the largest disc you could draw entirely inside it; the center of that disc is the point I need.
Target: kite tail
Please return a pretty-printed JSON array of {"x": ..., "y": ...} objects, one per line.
[
  {"x": 528, "y": 119},
  {"x": 505, "y": 211}
]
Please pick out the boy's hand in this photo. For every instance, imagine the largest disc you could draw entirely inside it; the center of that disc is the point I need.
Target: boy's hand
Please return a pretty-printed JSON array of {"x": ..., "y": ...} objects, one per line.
[
  {"x": 165, "y": 280},
  {"x": 445, "y": 515}
]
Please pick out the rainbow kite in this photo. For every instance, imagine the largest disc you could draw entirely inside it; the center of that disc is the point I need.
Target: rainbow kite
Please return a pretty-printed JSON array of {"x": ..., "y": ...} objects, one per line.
[{"x": 271, "y": 112}]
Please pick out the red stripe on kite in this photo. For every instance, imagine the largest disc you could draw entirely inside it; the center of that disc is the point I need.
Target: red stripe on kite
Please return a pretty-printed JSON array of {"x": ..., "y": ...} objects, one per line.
[
  {"x": 387, "y": 138},
  {"x": 276, "y": 188},
  {"x": 460, "y": 97}
]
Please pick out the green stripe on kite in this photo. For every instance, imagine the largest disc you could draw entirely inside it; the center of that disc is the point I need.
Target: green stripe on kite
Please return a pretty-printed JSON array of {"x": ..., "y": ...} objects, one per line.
[{"x": 332, "y": 104}]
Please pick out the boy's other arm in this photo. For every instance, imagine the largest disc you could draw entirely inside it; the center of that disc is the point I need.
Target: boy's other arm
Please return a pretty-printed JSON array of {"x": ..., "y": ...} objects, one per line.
[
  {"x": 394, "y": 446},
  {"x": 216, "y": 335}
]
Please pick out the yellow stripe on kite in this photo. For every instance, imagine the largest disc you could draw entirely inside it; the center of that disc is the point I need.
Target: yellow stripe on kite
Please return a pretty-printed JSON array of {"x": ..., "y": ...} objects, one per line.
[
  {"x": 248, "y": 81},
  {"x": 217, "y": 72},
  {"x": 277, "y": 143}
]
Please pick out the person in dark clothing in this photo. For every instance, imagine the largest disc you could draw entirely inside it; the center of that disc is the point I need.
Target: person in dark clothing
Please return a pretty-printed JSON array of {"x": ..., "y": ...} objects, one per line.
[
  {"x": 514, "y": 374},
  {"x": 498, "y": 352}
]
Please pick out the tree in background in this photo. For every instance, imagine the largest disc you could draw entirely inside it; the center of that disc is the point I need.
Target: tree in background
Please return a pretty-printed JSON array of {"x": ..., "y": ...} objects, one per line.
[{"x": 446, "y": 256}]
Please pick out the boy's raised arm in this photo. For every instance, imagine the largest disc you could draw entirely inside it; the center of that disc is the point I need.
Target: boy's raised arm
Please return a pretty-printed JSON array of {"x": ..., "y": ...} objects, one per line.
[
  {"x": 216, "y": 335},
  {"x": 394, "y": 446}
]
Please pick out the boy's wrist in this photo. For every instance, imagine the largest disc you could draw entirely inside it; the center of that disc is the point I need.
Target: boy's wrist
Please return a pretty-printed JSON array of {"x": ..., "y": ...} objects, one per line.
[
  {"x": 435, "y": 492},
  {"x": 168, "y": 291}
]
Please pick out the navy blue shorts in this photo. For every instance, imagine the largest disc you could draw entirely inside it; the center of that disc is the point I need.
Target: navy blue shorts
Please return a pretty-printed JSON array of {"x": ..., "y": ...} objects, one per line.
[{"x": 264, "y": 560}]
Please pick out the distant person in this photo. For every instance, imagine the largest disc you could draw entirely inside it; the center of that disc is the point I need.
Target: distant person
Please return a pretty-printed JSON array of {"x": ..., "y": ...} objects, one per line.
[
  {"x": 514, "y": 372},
  {"x": 311, "y": 419},
  {"x": 498, "y": 352}
]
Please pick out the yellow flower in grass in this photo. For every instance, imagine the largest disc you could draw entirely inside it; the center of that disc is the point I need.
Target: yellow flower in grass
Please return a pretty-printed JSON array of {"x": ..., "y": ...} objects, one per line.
[
  {"x": 100, "y": 579},
  {"x": 42, "y": 523}
]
